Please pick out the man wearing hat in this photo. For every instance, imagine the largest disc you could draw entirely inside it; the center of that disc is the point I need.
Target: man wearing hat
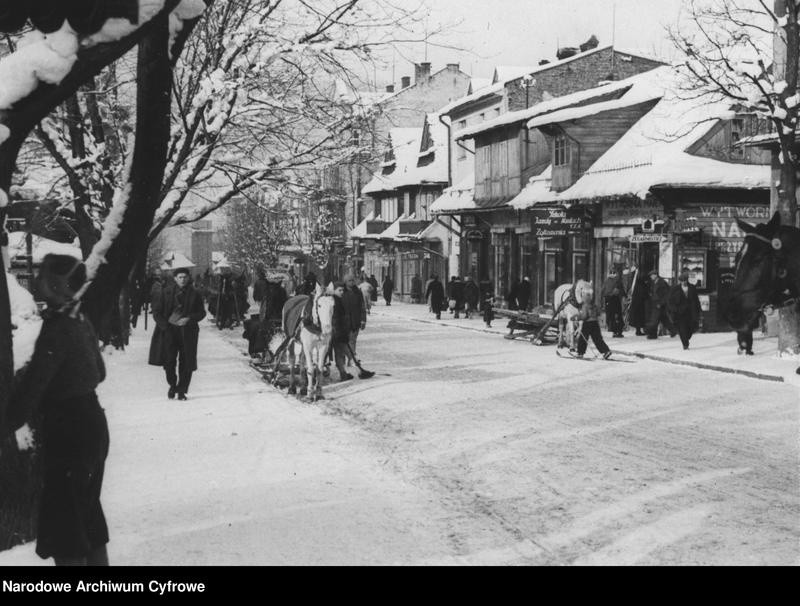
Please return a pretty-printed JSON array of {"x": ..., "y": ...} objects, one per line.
[
  {"x": 683, "y": 307},
  {"x": 59, "y": 384},
  {"x": 177, "y": 311},
  {"x": 659, "y": 291}
]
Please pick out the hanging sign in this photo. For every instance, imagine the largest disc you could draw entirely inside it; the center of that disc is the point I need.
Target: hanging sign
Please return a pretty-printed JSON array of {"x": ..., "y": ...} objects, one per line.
[
  {"x": 643, "y": 238},
  {"x": 558, "y": 221}
]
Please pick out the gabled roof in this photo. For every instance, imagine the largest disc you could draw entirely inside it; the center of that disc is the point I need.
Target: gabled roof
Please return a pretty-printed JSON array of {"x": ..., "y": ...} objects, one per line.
[
  {"x": 653, "y": 154},
  {"x": 360, "y": 230},
  {"x": 504, "y": 73},
  {"x": 411, "y": 166},
  {"x": 609, "y": 90}
]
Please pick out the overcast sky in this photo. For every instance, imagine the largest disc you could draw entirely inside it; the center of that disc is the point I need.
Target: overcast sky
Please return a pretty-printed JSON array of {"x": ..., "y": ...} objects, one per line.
[{"x": 521, "y": 32}]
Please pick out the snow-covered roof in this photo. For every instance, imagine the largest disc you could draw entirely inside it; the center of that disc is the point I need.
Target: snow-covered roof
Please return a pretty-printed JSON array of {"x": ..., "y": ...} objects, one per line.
[
  {"x": 360, "y": 230},
  {"x": 552, "y": 105},
  {"x": 177, "y": 260},
  {"x": 504, "y": 73},
  {"x": 653, "y": 154},
  {"x": 393, "y": 230},
  {"x": 459, "y": 197},
  {"x": 476, "y": 84},
  {"x": 41, "y": 247},
  {"x": 406, "y": 144}
]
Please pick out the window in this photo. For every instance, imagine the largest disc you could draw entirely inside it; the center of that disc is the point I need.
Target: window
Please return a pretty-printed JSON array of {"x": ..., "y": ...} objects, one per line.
[
  {"x": 737, "y": 131},
  {"x": 483, "y": 117},
  {"x": 496, "y": 112},
  {"x": 355, "y": 138},
  {"x": 561, "y": 151},
  {"x": 461, "y": 154},
  {"x": 462, "y": 124}
]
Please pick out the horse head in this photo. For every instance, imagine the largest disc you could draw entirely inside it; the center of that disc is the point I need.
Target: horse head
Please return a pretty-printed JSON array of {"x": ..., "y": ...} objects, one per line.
[
  {"x": 323, "y": 312},
  {"x": 584, "y": 291},
  {"x": 767, "y": 271}
]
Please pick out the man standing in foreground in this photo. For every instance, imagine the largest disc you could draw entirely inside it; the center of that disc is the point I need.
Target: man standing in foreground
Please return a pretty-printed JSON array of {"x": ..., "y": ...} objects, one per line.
[{"x": 177, "y": 311}]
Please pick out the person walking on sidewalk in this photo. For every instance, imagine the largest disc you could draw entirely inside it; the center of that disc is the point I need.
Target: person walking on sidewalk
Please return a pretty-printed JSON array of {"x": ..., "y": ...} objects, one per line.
[
  {"x": 683, "y": 308},
  {"x": 612, "y": 298},
  {"x": 340, "y": 337},
  {"x": 353, "y": 300},
  {"x": 636, "y": 288},
  {"x": 589, "y": 314},
  {"x": 455, "y": 293},
  {"x": 471, "y": 297},
  {"x": 435, "y": 294},
  {"x": 388, "y": 290},
  {"x": 657, "y": 313},
  {"x": 177, "y": 312},
  {"x": 59, "y": 384}
]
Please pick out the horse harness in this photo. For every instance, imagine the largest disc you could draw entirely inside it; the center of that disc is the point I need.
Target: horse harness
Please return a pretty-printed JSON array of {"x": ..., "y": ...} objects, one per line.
[{"x": 783, "y": 290}]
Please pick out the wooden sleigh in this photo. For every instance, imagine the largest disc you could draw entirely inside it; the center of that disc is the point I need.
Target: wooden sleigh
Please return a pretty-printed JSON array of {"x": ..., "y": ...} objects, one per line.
[{"x": 529, "y": 325}]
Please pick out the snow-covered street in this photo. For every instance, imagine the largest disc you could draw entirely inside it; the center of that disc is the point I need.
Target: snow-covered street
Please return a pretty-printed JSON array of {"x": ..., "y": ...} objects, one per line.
[{"x": 464, "y": 449}]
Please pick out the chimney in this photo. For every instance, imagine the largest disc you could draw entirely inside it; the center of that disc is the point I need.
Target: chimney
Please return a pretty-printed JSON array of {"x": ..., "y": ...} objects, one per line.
[
  {"x": 390, "y": 88},
  {"x": 405, "y": 82},
  {"x": 453, "y": 67},
  {"x": 422, "y": 71}
]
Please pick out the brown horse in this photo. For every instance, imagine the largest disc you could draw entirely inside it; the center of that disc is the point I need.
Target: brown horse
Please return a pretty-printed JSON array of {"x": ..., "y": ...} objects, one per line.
[{"x": 767, "y": 272}]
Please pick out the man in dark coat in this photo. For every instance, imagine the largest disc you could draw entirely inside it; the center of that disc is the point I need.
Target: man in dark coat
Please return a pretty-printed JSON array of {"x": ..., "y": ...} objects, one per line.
[
  {"x": 309, "y": 285},
  {"x": 416, "y": 289},
  {"x": 388, "y": 290},
  {"x": 659, "y": 291},
  {"x": 177, "y": 312},
  {"x": 435, "y": 294},
  {"x": 340, "y": 336},
  {"x": 612, "y": 299},
  {"x": 636, "y": 288},
  {"x": 455, "y": 292},
  {"x": 471, "y": 296},
  {"x": 355, "y": 311},
  {"x": 683, "y": 307},
  {"x": 524, "y": 293}
]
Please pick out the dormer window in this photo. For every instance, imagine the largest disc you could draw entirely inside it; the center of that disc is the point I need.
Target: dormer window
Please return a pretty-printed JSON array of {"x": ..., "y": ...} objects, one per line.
[
  {"x": 737, "y": 132},
  {"x": 561, "y": 151}
]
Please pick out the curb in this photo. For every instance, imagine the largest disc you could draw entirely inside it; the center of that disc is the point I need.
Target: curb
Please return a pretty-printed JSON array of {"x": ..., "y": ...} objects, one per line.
[
  {"x": 643, "y": 356},
  {"x": 747, "y": 373}
]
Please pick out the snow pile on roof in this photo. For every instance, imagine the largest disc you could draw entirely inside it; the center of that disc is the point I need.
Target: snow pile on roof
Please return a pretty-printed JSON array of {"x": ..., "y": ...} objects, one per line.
[
  {"x": 477, "y": 84},
  {"x": 393, "y": 230},
  {"x": 459, "y": 197},
  {"x": 360, "y": 230},
  {"x": 406, "y": 144},
  {"x": 653, "y": 151},
  {"x": 25, "y": 319},
  {"x": 176, "y": 260},
  {"x": 41, "y": 247},
  {"x": 537, "y": 191},
  {"x": 504, "y": 73}
]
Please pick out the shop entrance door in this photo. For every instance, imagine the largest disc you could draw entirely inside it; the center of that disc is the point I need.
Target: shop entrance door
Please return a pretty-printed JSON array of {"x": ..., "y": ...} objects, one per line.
[
  {"x": 551, "y": 274},
  {"x": 648, "y": 257}
]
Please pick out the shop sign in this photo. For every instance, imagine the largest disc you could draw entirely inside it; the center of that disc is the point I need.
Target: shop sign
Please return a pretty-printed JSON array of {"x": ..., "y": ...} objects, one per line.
[
  {"x": 469, "y": 220},
  {"x": 558, "y": 222},
  {"x": 474, "y": 234},
  {"x": 643, "y": 238},
  {"x": 631, "y": 212}
]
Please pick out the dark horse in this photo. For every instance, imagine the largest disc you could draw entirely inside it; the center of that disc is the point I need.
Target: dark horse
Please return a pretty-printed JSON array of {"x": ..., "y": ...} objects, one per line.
[{"x": 767, "y": 272}]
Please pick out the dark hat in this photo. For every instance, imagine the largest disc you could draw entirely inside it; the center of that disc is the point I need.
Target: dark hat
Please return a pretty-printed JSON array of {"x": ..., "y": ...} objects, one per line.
[
  {"x": 181, "y": 270},
  {"x": 652, "y": 272},
  {"x": 684, "y": 277},
  {"x": 338, "y": 284}
]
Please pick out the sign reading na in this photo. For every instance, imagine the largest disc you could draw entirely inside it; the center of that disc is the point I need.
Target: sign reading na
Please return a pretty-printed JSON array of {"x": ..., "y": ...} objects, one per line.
[{"x": 558, "y": 221}]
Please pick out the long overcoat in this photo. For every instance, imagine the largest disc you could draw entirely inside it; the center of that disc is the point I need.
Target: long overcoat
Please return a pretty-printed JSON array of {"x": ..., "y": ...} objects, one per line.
[
  {"x": 164, "y": 333},
  {"x": 436, "y": 293}
]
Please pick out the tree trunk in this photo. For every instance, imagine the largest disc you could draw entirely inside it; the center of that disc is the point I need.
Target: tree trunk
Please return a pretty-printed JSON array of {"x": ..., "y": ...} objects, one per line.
[{"x": 154, "y": 77}]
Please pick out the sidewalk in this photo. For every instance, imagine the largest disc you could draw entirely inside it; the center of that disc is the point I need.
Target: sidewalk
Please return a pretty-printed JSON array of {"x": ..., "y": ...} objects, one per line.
[{"x": 711, "y": 351}]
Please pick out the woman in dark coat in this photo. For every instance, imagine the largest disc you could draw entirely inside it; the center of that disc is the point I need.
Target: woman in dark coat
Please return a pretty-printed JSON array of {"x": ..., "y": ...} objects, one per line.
[
  {"x": 177, "y": 312},
  {"x": 435, "y": 294},
  {"x": 60, "y": 384},
  {"x": 374, "y": 282}
]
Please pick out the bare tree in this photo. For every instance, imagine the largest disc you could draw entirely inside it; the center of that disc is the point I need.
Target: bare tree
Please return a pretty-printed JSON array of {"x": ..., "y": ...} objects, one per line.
[{"x": 749, "y": 51}]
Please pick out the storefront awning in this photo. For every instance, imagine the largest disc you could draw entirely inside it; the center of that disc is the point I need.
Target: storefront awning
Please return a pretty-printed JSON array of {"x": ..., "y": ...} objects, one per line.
[{"x": 456, "y": 199}]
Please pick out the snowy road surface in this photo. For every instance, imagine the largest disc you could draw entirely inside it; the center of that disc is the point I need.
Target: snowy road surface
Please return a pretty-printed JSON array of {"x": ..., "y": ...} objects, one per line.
[{"x": 464, "y": 449}]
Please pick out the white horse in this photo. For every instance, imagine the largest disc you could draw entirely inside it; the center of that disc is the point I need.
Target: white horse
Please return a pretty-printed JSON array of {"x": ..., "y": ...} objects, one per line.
[
  {"x": 314, "y": 345},
  {"x": 568, "y": 298}
]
